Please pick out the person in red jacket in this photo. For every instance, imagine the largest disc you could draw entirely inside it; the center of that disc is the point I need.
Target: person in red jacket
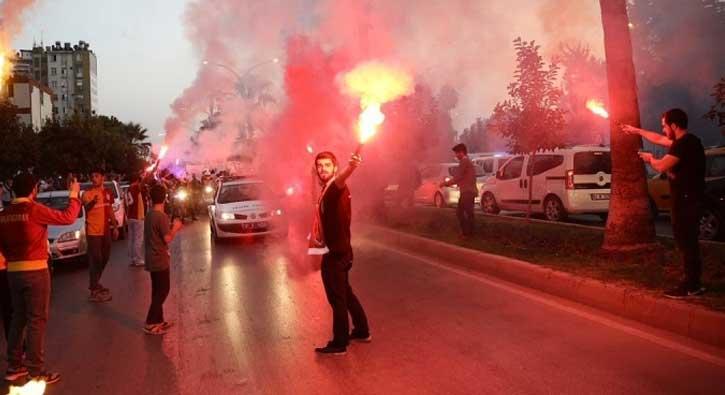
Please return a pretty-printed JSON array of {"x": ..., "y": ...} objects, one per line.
[{"x": 24, "y": 243}]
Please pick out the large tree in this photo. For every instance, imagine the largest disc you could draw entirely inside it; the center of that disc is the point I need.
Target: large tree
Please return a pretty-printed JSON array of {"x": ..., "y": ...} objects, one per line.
[
  {"x": 532, "y": 118},
  {"x": 19, "y": 143},
  {"x": 629, "y": 225},
  {"x": 717, "y": 111}
]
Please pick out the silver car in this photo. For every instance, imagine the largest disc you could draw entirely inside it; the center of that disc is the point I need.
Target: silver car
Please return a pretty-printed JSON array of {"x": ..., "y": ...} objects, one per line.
[{"x": 67, "y": 241}]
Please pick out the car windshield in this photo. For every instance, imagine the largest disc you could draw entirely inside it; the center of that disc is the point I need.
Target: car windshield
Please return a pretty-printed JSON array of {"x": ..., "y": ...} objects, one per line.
[
  {"x": 592, "y": 162},
  {"x": 107, "y": 185},
  {"x": 243, "y": 192},
  {"x": 57, "y": 203}
]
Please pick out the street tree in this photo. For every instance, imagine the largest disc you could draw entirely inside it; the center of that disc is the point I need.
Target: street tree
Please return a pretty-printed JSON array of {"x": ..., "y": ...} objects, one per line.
[
  {"x": 19, "y": 143},
  {"x": 717, "y": 111},
  {"x": 629, "y": 224},
  {"x": 532, "y": 118}
]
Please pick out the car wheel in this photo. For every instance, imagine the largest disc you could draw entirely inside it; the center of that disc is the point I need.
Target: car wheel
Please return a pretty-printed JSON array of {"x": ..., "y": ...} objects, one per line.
[
  {"x": 438, "y": 200},
  {"x": 554, "y": 209},
  {"x": 488, "y": 204},
  {"x": 709, "y": 225}
]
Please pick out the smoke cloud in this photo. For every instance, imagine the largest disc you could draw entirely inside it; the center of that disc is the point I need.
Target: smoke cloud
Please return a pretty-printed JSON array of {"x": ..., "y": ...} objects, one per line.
[{"x": 11, "y": 12}]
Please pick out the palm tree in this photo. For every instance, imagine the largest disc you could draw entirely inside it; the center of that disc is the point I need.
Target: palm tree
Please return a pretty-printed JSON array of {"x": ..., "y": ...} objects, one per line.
[{"x": 629, "y": 226}]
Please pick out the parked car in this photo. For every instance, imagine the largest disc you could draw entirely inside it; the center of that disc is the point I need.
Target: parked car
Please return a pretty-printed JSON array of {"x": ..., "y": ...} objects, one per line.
[
  {"x": 711, "y": 223},
  {"x": 486, "y": 166},
  {"x": 430, "y": 192},
  {"x": 566, "y": 181},
  {"x": 65, "y": 242},
  {"x": 244, "y": 206},
  {"x": 119, "y": 208}
]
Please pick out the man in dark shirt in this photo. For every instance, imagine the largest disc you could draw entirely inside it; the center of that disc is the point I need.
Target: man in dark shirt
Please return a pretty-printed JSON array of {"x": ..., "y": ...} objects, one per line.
[
  {"x": 684, "y": 164},
  {"x": 465, "y": 178},
  {"x": 334, "y": 210}
]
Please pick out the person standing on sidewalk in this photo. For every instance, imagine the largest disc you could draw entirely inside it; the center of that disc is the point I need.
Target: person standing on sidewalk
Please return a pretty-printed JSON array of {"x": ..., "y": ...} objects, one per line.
[
  {"x": 100, "y": 231},
  {"x": 465, "y": 178},
  {"x": 157, "y": 236},
  {"x": 332, "y": 219},
  {"x": 24, "y": 243},
  {"x": 136, "y": 212},
  {"x": 684, "y": 164}
]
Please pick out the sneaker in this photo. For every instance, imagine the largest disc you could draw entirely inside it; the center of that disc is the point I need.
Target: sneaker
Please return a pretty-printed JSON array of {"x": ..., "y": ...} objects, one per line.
[
  {"x": 332, "y": 349},
  {"x": 99, "y": 296},
  {"x": 166, "y": 324},
  {"x": 361, "y": 338},
  {"x": 679, "y": 292},
  {"x": 13, "y": 374},
  {"x": 47, "y": 377},
  {"x": 154, "y": 329}
]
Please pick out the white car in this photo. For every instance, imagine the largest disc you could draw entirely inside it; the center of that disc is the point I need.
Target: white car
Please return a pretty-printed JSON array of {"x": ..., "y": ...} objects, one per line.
[
  {"x": 244, "y": 206},
  {"x": 67, "y": 241},
  {"x": 565, "y": 181},
  {"x": 119, "y": 207},
  {"x": 430, "y": 192}
]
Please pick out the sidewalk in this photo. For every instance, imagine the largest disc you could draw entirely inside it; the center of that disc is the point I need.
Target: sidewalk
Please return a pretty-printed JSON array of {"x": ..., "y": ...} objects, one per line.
[{"x": 690, "y": 320}]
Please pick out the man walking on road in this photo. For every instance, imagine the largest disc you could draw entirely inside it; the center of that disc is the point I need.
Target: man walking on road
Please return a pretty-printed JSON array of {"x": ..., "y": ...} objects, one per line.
[
  {"x": 684, "y": 164},
  {"x": 24, "y": 243},
  {"x": 136, "y": 212},
  {"x": 100, "y": 231},
  {"x": 465, "y": 178},
  {"x": 333, "y": 215}
]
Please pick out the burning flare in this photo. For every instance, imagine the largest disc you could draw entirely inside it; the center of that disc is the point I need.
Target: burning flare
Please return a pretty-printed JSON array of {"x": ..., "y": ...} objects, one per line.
[
  {"x": 163, "y": 150},
  {"x": 32, "y": 387},
  {"x": 375, "y": 84},
  {"x": 597, "y": 107}
]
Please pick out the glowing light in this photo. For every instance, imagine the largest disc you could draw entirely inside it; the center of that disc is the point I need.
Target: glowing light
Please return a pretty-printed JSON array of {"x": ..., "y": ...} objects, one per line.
[
  {"x": 375, "y": 84},
  {"x": 310, "y": 150},
  {"x": 182, "y": 195},
  {"x": 290, "y": 191},
  {"x": 597, "y": 107},
  {"x": 151, "y": 168},
  {"x": 162, "y": 152},
  {"x": 32, "y": 387},
  {"x": 631, "y": 25},
  {"x": 208, "y": 189}
]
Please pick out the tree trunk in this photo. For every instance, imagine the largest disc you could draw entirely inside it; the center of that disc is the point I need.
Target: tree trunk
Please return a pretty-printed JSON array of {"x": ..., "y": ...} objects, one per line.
[{"x": 629, "y": 226}]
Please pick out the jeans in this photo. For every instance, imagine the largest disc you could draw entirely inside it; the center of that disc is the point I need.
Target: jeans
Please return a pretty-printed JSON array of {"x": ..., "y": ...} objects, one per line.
[
  {"x": 99, "y": 251},
  {"x": 6, "y": 307},
  {"x": 335, "y": 270},
  {"x": 686, "y": 229},
  {"x": 135, "y": 240},
  {"x": 160, "y": 286},
  {"x": 30, "y": 293},
  {"x": 465, "y": 212}
]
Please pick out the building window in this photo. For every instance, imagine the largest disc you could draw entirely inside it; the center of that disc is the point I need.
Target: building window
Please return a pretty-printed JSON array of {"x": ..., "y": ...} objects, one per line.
[
  {"x": 62, "y": 71},
  {"x": 53, "y": 71},
  {"x": 54, "y": 58},
  {"x": 54, "y": 84}
]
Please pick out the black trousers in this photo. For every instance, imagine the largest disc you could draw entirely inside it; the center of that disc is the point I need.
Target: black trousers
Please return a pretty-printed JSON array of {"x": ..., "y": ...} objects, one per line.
[
  {"x": 6, "y": 306},
  {"x": 99, "y": 251},
  {"x": 685, "y": 229},
  {"x": 465, "y": 212},
  {"x": 160, "y": 286},
  {"x": 335, "y": 278},
  {"x": 30, "y": 293}
]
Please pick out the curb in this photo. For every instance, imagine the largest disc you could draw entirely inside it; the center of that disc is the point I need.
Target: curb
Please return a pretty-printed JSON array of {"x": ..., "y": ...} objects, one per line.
[{"x": 681, "y": 318}]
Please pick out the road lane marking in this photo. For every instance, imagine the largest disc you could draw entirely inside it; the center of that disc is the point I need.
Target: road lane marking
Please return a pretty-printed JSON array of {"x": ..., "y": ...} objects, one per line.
[{"x": 481, "y": 277}]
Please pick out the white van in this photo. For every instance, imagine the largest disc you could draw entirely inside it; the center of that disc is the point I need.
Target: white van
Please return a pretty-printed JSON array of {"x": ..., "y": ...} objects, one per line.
[
  {"x": 486, "y": 166},
  {"x": 566, "y": 181}
]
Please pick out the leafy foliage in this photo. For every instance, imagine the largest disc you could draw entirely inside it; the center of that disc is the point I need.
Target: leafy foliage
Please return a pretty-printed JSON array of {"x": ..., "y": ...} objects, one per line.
[
  {"x": 532, "y": 118},
  {"x": 717, "y": 111}
]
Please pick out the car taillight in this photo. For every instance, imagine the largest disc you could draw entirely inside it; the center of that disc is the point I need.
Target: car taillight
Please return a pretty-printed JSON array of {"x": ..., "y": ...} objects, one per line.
[{"x": 569, "y": 181}]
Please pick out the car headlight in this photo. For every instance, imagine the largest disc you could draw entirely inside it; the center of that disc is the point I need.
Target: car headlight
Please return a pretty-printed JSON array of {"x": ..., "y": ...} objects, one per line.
[
  {"x": 226, "y": 216},
  {"x": 277, "y": 212},
  {"x": 181, "y": 195},
  {"x": 208, "y": 189},
  {"x": 69, "y": 236}
]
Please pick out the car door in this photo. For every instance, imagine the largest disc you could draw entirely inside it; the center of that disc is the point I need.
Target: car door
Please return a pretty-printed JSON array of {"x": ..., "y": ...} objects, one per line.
[
  {"x": 429, "y": 184},
  {"x": 542, "y": 167},
  {"x": 509, "y": 185}
]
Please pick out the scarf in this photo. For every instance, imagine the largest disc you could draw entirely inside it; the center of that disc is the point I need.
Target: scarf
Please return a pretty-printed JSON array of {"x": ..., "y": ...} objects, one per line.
[{"x": 316, "y": 238}]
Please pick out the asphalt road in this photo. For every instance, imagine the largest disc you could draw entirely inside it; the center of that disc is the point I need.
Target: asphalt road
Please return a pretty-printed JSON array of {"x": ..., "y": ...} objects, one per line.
[{"x": 249, "y": 314}]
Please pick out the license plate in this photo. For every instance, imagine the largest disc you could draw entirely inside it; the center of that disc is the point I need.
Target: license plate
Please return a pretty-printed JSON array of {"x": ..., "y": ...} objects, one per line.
[
  {"x": 260, "y": 225},
  {"x": 600, "y": 196}
]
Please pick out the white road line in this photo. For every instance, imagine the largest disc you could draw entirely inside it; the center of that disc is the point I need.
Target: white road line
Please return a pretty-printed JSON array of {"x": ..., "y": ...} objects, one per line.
[{"x": 673, "y": 345}]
